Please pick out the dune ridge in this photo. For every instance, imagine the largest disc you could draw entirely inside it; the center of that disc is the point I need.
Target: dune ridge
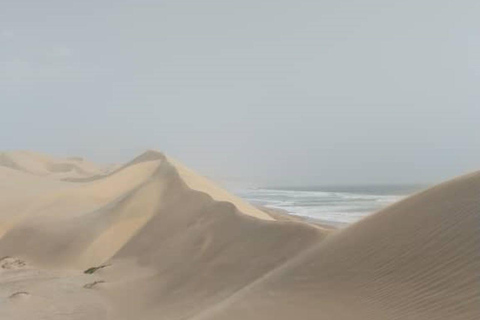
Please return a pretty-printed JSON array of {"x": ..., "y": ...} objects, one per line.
[
  {"x": 167, "y": 243},
  {"x": 45, "y": 165}
]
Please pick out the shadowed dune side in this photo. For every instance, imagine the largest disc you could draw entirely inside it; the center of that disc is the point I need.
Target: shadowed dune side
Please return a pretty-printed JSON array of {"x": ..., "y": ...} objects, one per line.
[
  {"x": 200, "y": 251},
  {"x": 418, "y": 259}
]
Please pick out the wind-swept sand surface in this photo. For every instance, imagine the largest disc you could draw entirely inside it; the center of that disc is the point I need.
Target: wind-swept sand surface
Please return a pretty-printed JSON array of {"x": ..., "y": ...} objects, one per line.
[{"x": 154, "y": 240}]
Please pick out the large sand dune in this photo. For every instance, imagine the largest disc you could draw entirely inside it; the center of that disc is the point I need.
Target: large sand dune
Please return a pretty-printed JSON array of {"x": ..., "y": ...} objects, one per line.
[{"x": 161, "y": 242}]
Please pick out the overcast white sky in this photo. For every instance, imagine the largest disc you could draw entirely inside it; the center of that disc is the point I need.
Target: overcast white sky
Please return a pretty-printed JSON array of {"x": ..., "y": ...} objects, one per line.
[{"x": 268, "y": 92}]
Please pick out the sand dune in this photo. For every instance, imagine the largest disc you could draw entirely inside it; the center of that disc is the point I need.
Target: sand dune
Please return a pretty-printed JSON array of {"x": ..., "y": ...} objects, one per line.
[
  {"x": 161, "y": 242},
  {"x": 44, "y": 165}
]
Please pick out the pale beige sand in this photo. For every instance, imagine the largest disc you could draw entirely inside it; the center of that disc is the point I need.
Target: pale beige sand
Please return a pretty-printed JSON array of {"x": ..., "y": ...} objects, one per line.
[
  {"x": 173, "y": 245},
  {"x": 44, "y": 165}
]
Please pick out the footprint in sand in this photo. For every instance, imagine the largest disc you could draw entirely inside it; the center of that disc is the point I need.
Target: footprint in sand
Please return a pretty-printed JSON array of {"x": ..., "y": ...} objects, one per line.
[
  {"x": 9, "y": 263},
  {"x": 94, "y": 269},
  {"x": 19, "y": 295},
  {"x": 93, "y": 284}
]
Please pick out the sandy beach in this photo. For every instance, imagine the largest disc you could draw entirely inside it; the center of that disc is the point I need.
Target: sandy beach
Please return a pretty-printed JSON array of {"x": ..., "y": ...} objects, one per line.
[{"x": 152, "y": 239}]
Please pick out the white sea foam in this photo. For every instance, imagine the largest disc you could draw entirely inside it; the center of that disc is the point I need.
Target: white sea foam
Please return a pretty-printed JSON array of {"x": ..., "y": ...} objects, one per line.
[{"x": 336, "y": 207}]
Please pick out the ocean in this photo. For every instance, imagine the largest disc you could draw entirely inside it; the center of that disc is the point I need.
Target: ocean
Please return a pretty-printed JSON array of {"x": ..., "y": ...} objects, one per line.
[{"x": 334, "y": 205}]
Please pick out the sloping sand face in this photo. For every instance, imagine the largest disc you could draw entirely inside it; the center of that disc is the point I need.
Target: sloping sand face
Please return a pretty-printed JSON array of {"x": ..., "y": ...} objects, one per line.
[
  {"x": 161, "y": 242},
  {"x": 418, "y": 259}
]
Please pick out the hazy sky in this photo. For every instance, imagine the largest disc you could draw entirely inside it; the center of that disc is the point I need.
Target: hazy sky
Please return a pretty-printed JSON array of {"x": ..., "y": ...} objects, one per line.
[{"x": 271, "y": 92}]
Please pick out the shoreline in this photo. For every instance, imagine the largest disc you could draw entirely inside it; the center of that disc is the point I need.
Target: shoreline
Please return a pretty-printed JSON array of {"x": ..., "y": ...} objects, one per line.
[{"x": 283, "y": 215}]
